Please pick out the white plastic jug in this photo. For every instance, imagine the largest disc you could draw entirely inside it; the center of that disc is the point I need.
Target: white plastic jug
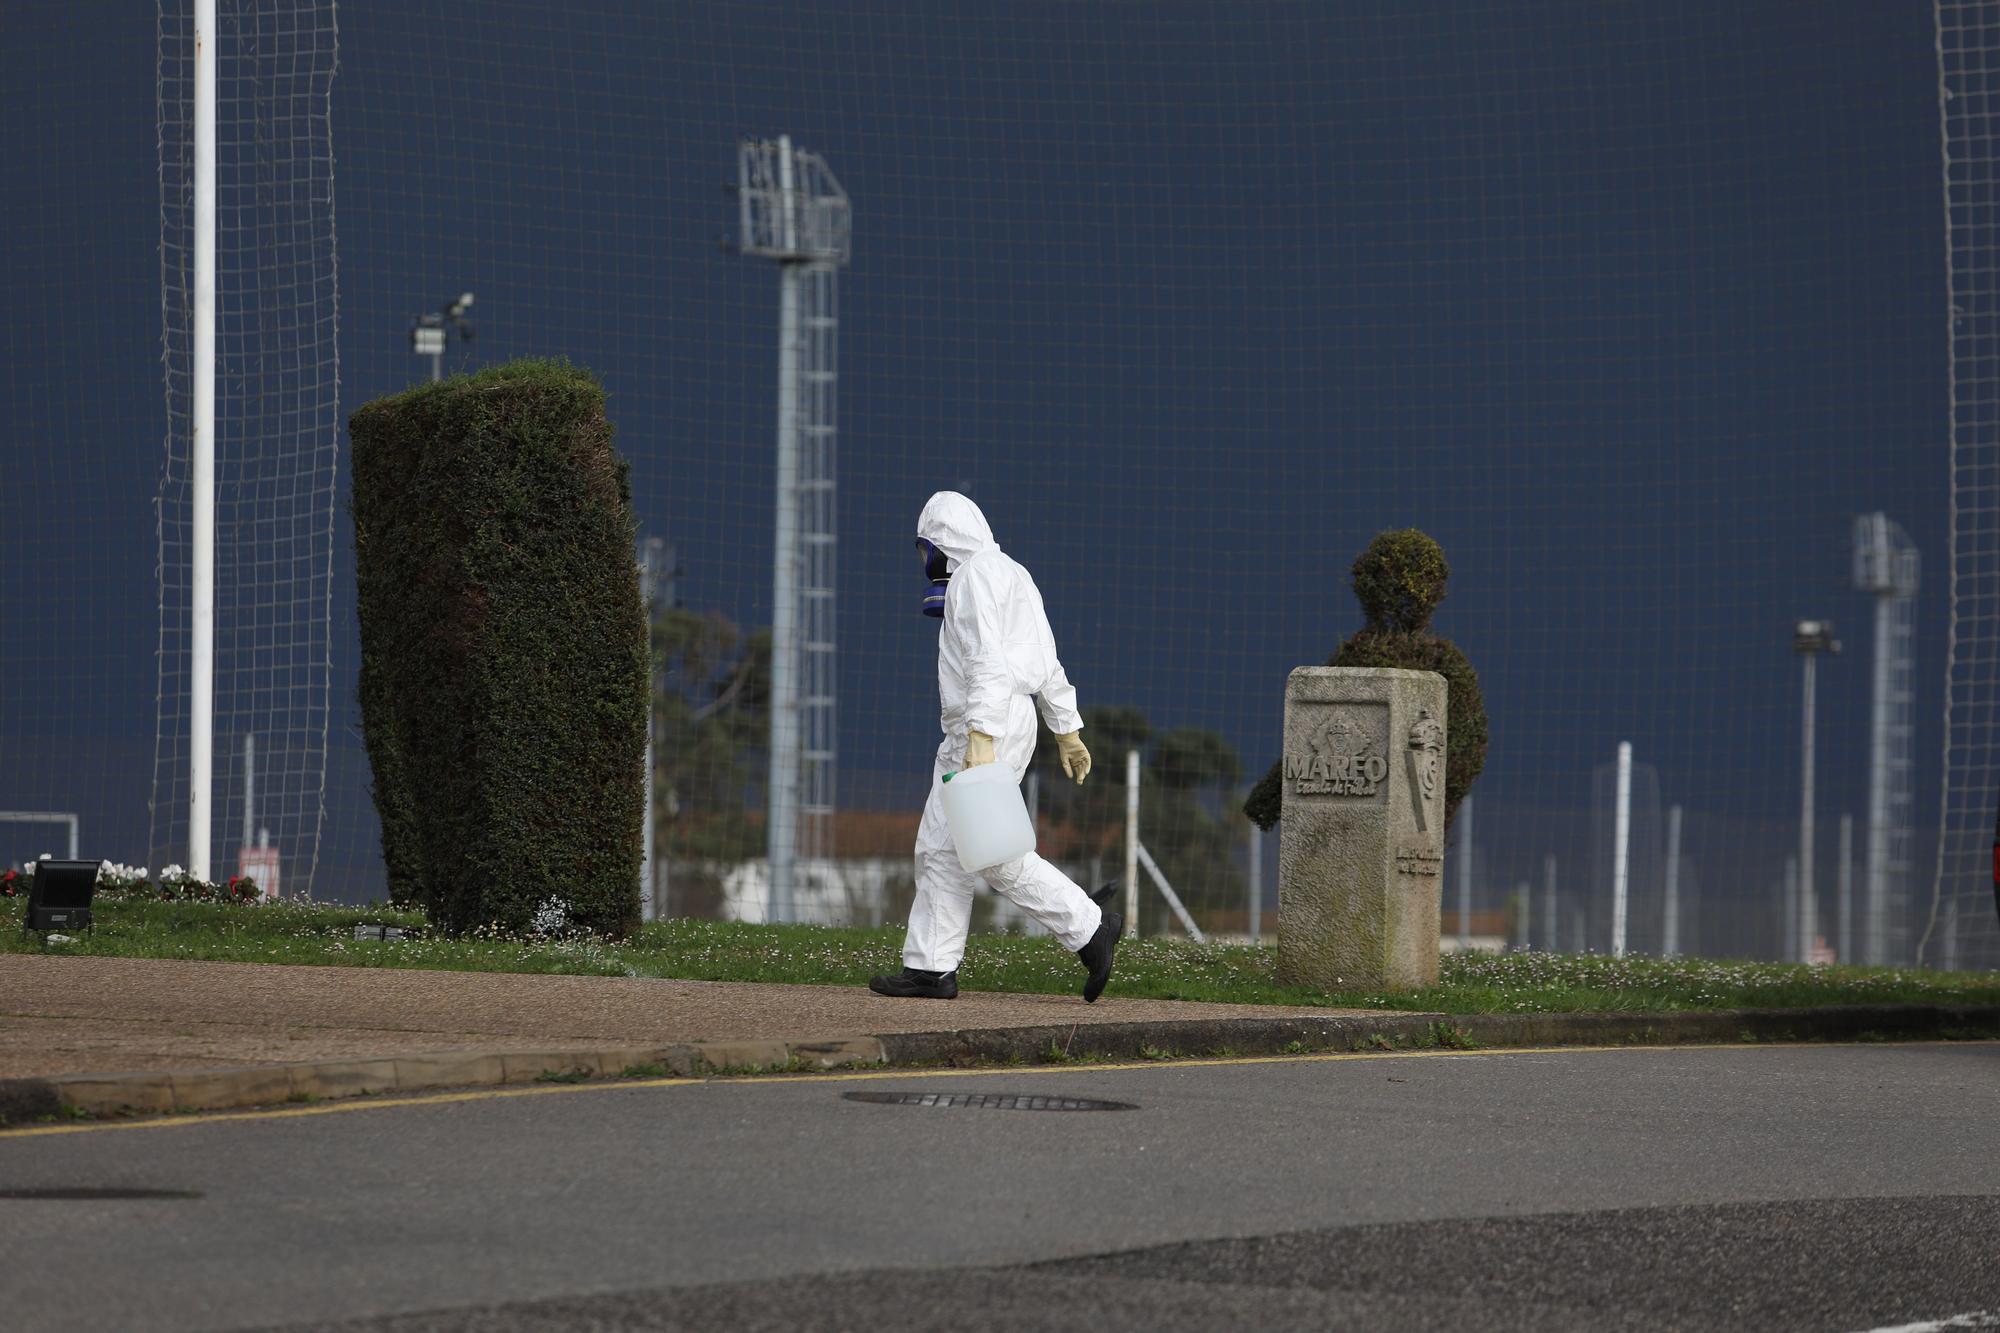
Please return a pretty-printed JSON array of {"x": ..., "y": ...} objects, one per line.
[{"x": 988, "y": 819}]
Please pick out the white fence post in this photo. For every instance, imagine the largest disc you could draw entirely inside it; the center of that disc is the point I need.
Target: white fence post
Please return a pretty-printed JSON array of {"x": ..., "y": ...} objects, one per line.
[
  {"x": 1621, "y": 850},
  {"x": 1131, "y": 844}
]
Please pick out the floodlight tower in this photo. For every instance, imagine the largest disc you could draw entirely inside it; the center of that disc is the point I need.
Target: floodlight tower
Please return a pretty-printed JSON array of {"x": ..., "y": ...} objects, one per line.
[
  {"x": 1885, "y": 564},
  {"x": 793, "y": 211},
  {"x": 1810, "y": 638}
]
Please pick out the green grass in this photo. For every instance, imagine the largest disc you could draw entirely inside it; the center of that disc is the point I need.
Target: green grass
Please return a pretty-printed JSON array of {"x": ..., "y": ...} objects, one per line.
[
  {"x": 1172, "y": 969},
  {"x": 646, "y": 1070}
]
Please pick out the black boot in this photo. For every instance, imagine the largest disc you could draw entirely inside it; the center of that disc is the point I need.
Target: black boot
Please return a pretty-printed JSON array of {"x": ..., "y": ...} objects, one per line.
[
  {"x": 1096, "y": 955},
  {"x": 911, "y": 984},
  {"x": 1108, "y": 894}
]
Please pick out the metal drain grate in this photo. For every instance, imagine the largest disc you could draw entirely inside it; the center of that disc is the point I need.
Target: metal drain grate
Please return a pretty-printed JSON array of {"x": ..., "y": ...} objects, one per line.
[
  {"x": 986, "y": 1101},
  {"x": 88, "y": 1192}
]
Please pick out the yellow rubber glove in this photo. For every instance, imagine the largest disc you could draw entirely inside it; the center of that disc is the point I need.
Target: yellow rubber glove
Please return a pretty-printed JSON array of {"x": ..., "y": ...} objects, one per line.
[
  {"x": 1075, "y": 759},
  {"x": 978, "y": 749}
]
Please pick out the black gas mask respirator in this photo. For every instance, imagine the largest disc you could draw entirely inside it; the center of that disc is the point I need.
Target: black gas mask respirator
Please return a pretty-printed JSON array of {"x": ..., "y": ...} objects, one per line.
[{"x": 938, "y": 573}]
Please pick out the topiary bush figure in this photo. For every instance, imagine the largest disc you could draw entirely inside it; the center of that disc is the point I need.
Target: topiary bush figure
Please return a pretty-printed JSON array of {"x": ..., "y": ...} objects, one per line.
[
  {"x": 1399, "y": 581},
  {"x": 503, "y": 648}
]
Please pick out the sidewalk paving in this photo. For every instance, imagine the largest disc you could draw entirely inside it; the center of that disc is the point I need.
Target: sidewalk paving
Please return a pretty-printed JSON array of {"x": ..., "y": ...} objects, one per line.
[
  {"x": 94, "y": 1015},
  {"x": 106, "y": 1035}
]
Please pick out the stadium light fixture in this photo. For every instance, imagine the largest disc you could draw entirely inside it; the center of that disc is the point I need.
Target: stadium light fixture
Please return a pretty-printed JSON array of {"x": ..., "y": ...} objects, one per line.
[
  {"x": 60, "y": 896},
  {"x": 1814, "y": 636},
  {"x": 429, "y": 333}
]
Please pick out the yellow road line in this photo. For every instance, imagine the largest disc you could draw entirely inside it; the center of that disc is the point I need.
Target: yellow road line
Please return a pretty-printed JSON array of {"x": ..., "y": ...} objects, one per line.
[
  {"x": 335, "y": 1108},
  {"x": 1000, "y": 1071},
  {"x": 1202, "y": 1062},
  {"x": 1322, "y": 1057}
]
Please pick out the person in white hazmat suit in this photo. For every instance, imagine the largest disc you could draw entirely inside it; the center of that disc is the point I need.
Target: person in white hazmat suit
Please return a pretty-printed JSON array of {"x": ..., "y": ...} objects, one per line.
[{"x": 996, "y": 660}]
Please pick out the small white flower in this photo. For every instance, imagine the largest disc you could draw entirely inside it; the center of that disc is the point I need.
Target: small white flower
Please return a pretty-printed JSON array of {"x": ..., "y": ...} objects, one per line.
[{"x": 551, "y": 918}]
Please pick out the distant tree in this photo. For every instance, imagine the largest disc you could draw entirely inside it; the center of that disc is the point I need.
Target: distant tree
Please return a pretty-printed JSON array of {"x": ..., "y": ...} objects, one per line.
[
  {"x": 1185, "y": 784},
  {"x": 1190, "y": 759},
  {"x": 1187, "y": 816},
  {"x": 711, "y": 724},
  {"x": 1089, "y": 814},
  {"x": 1400, "y": 580}
]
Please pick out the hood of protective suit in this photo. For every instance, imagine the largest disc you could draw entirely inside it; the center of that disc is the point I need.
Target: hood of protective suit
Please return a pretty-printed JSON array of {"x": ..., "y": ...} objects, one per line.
[{"x": 955, "y": 526}]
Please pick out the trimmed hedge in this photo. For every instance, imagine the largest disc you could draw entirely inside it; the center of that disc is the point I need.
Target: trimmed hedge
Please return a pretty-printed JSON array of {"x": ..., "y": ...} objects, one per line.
[
  {"x": 503, "y": 648},
  {"x": 1400, "y": 580}
]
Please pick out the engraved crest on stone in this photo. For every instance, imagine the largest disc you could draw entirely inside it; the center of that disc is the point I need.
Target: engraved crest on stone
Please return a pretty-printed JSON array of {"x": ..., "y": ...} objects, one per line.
[
  {"x": 1343, "y": 761},
  {"x": 1427, "y": 742}
]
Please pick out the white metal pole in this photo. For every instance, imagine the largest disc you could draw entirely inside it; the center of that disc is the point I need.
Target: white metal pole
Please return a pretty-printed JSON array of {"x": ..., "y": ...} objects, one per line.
[
  {"x": 1806, "y": 880},
  {"x": 1131, "y": 844},
  {"x": 647, "y": 575},
  {"x": 1670, "y": 935},
  {"x": 1621, "y": 850},
  {"x": 1525, "y": 892},
  {"x": 1465, "y": 875},
  {"x": 1876, "y": 900},
  {"x": 788, "y": 210},
  {"x": 1256, "y": 883},
  {"x": 64, "y": 818},
  {"x": 1791, "y": 892},
  {"x": 648, "y": 909},
  {"x": 781, "y": 838},
  {"x": 249, "y": 789},
  {"x": 1846, "y": 889},
  {"x": 1174, "y": 902},
  {"x": 1549, "y": 930},
  {"x": 201, "y": 447}
]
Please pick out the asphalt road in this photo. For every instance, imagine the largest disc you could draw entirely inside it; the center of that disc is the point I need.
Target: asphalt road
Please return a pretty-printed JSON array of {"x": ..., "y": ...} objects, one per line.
[{"x": 1767, "y": 1188}]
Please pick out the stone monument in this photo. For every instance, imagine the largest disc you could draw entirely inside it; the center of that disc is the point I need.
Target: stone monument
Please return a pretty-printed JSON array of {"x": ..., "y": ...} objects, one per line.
[{"x": 1361, "y": 839}]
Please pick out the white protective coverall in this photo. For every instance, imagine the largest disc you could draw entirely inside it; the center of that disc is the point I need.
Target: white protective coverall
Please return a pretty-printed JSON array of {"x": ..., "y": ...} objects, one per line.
[{"x": 996, "y": 657}]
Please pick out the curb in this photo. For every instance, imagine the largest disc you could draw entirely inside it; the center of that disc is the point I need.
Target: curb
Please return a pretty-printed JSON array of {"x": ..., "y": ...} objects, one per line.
[
  {"x": 184, "y": 1090},
  {"x": 262, "y": 1085},
  {"x": 1308, "y": 1033}
]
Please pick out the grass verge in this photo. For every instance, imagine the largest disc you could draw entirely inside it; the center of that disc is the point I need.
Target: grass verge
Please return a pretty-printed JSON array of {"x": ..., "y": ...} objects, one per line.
[{"x": 1169, "y": 969}]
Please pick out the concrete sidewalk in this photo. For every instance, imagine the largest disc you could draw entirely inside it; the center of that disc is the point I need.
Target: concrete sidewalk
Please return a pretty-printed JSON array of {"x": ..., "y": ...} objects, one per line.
[
  {"x": 69, "y": 1016},
  {"x": 108, "y": 1034}
]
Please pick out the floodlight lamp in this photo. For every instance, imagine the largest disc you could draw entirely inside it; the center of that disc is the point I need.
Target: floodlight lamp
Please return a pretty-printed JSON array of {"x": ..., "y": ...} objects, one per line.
[
  {"x": 60, "y": 896},
  {"x": 1814, "y": 636}
]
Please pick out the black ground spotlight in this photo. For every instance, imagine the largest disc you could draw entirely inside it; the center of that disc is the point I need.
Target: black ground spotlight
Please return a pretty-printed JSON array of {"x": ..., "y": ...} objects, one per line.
[{"x": 61, "y": 896}]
